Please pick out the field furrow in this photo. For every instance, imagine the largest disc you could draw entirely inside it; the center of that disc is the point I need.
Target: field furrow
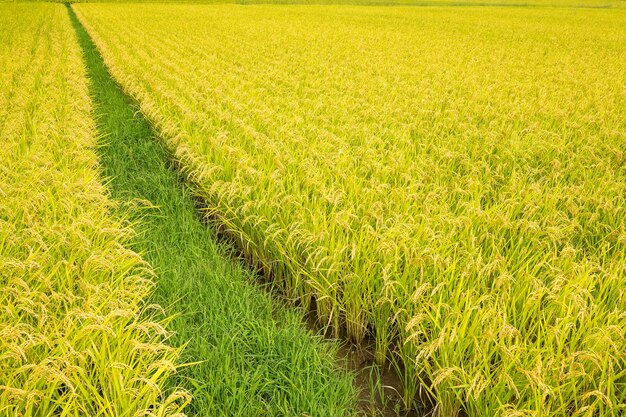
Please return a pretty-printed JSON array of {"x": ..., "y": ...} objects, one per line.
[{"x": 251, "y": 354}]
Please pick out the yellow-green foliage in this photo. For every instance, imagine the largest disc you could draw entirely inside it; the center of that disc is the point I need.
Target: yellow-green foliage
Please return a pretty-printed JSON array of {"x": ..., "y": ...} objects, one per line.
[
  {"x": 75, "y": 339},
  {"x": 452, "y": 179},
  {"x": 507, "y": 3}
]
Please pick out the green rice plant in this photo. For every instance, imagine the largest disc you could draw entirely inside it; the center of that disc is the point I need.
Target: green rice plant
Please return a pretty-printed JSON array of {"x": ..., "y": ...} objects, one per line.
[
  {"x": 76, "y": 336},
  {"x": 448, "y": 181}
]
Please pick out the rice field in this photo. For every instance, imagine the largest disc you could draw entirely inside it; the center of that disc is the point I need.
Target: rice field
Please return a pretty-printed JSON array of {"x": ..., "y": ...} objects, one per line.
[
  {"x": 443, "y": 186},
  {"x": 76, "y": 336},
  {"x": 449, "y": 182}
]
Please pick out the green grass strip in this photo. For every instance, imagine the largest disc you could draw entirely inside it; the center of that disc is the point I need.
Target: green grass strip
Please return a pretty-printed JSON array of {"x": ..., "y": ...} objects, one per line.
[{"x": 256, "y": 357}]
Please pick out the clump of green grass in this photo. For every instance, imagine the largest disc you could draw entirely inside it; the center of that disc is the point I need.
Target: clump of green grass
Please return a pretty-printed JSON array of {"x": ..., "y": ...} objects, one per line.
[{"x": 76, "y": 335}]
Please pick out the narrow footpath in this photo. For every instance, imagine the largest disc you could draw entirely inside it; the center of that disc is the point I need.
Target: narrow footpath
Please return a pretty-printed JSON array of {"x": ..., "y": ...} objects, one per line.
[{"x": 252, "y": 354}]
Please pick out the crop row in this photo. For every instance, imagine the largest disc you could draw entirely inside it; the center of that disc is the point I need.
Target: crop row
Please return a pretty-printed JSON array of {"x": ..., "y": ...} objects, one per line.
[{"x": 76, "y": 338}]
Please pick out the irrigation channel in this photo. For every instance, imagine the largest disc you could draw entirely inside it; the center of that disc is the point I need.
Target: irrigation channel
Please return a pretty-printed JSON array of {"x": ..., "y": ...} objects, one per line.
[{"x": 247, "y": 352}]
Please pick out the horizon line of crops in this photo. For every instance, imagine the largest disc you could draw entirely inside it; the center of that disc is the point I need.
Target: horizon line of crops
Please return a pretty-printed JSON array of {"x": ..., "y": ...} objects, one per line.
[
  {"x": 76, "y": 335},
  {"x": 448, "y": 181},
  {"x": 595, "y": 4}
]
